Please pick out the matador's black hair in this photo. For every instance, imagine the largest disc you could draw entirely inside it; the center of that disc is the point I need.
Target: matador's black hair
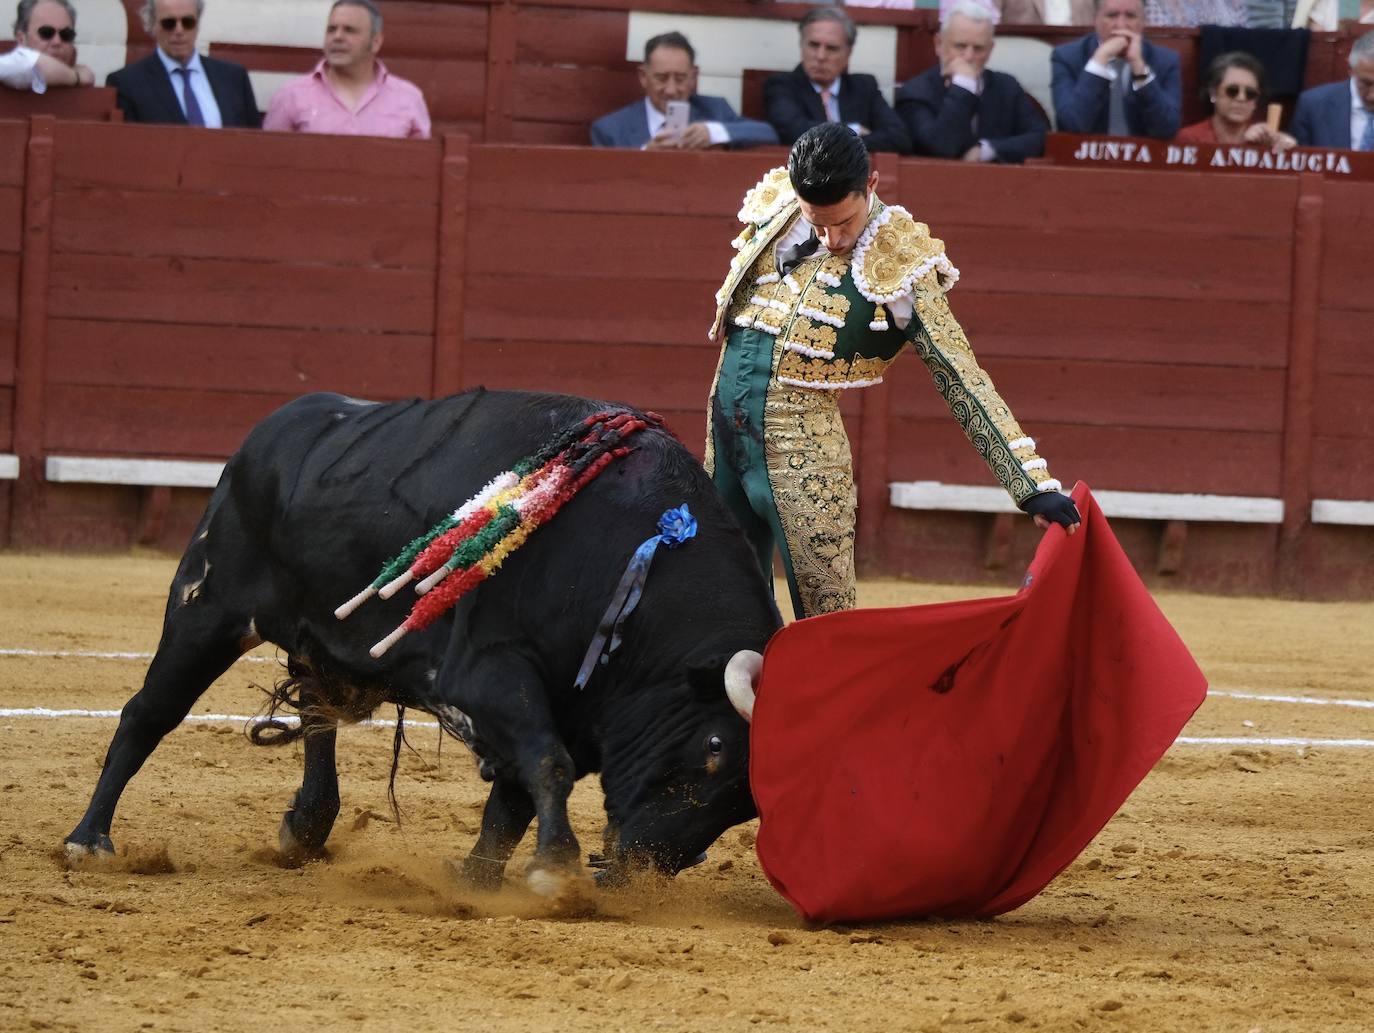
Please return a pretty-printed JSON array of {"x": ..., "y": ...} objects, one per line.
[{"x": 827, "y": 164}]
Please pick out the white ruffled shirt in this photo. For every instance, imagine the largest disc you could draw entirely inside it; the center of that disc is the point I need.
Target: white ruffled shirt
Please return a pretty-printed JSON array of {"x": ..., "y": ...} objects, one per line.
[{"x": 900, "y": 309}]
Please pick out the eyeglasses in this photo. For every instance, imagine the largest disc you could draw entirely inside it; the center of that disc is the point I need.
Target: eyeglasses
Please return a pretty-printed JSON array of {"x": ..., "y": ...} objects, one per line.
[
  {"x": 1234, "y": 90},
  {"x": 188, "y": 22},
  {"x": 47, "y": 32}
]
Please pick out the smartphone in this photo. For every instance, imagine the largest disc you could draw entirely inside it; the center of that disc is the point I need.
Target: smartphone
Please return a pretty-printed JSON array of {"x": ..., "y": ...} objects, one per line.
[{"x": 678, "y": 115}]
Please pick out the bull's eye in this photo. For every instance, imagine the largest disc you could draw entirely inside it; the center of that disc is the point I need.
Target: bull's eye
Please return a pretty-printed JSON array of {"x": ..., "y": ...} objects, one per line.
[{"x": 714, "y": 744}]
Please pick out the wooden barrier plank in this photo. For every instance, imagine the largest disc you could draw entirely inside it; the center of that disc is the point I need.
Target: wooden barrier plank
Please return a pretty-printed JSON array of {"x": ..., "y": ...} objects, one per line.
[
  {"x": 223, "y": 161},
  {"x": 546, "y": 134},
  {"x": 548, "y": 35},
  {"x": 1345, "y": 408},
  {"x": 237, "y": 358},
  {"x": 1344, "y": 337},
  {"x": 1144, "y": 264},
  {"x": 9, "y": 334},
  {"x": 92, "y": 421},
  {"x": 13, "y": 137},
  {"x": 11, "y": 217},
  {"x": 1190, "y": 331},
  {"x": 670, "y": 378},
  {"x": 1136, "y": 458},
  {"x": 235, "y": 293},
  {"x": 338, "y": 233},
  {"x": 595, "y": 180},
  {"x": 9, "y": 287},
  {"x": 1114, "y": 394},
  {"x": 592, "y": 309},
  {"x": 1348, "y": 247},
  {"x": 454, "y": 90},
  {"x": 657, "y": 247},
  {"x": 6, "y": 420},
  {"x": 559, "y": 93},
  {"x": 1003, "y": 198},
  {"x": 1339, "y": 471}
]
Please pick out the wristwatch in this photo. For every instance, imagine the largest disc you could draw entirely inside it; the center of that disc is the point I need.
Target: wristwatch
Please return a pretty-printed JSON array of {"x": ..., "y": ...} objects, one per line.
[{"x": 1142, "y": 76}]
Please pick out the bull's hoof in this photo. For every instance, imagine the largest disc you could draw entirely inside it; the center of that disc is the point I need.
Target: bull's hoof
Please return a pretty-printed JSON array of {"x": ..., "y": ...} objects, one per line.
[
  {"x": 569, "y": 893},
  {"x": 101, "y": 850},
  {"x": 293, "y": 852},
  {"x": 477, "y": 874}
]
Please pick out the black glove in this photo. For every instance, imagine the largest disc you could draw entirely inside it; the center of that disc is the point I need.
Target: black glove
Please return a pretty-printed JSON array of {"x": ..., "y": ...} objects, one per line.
[{"x": 1054, "y": 506}]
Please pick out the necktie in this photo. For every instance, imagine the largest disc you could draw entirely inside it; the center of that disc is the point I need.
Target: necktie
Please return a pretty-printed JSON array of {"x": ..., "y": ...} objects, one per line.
[
  {"x": 828, "y": 102},
  {"x": 1367, "y": 140},
  {"x": 193, "y": 115},
  {"x": 1116, "y": 104},
  {"x": 792, "y": 257}
]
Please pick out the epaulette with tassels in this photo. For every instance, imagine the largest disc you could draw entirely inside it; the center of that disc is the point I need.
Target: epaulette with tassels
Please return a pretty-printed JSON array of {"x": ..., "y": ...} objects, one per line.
[{"x": 475, "y": 539}]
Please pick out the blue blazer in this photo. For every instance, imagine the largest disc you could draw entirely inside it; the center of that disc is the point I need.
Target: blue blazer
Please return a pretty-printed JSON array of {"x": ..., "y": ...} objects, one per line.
[
  {"x": 629, "y": 126},
  {"x": 940, "y": 117},
  {"x": 1081, "y": 100},
  {"x": 145, "y": 93},
  {"x": 1322, "y": 117}
]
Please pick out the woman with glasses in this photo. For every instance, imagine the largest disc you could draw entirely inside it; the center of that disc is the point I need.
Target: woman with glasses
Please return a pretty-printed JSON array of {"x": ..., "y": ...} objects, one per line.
[{"x": 1235, "y": 88}]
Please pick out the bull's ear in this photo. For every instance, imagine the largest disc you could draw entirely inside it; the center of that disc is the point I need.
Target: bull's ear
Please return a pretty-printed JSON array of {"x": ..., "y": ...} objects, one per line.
[{"x": 706, "y": 678}]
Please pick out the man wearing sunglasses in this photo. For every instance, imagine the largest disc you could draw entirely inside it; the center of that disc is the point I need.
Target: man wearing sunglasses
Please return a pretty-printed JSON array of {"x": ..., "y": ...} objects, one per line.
[
  {"x": 175, "y": 85},
  {"x": 45, "y": 31}
]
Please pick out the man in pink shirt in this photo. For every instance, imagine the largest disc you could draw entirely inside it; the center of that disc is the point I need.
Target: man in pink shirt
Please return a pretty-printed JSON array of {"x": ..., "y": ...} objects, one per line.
[{"x": 350, "y": 92}]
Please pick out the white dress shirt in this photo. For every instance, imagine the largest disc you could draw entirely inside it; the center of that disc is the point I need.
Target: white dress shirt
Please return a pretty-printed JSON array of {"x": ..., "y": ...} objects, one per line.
[
  {"x": 1359, "y": 116},
  {"x": 200, "y": 86},
  {"x": 986, "y": 152},
  {"x": 719, "y": 134},
  {"x": 19, "y": 70},
  {"x": 1095, "y": 67}
]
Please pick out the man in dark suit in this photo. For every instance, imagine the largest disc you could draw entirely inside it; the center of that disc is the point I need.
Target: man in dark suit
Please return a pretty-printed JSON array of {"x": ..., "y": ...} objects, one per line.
[
  {"x": 175, "y": 84},
  {"x": 820, "y": 89},
  {"x": 960, "y": 109},
  {"x": 669, "y": 73},
  {"x": 1114, "y": 81},
  {"x": 1340, "y": 114}
]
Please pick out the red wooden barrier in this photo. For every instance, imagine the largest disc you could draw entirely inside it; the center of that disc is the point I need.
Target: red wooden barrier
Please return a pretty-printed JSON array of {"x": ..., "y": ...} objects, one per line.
[{"x": 1155, "y": 331}]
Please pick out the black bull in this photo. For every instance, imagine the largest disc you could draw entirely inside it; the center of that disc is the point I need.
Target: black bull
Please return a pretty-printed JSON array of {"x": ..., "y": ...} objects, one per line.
[{"x": 327, "y": 489}]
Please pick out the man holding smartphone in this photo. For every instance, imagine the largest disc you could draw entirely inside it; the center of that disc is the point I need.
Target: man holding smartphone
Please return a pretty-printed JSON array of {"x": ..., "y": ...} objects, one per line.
[{"x": 672, "y": 115}]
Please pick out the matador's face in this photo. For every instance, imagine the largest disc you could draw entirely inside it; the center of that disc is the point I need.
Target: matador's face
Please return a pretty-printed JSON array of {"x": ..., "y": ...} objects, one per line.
[{"x": 839, "y": 225}]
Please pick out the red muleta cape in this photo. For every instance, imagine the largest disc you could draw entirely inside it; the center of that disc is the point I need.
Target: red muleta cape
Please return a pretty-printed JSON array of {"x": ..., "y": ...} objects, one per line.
[{"x": 950, "y": 760}]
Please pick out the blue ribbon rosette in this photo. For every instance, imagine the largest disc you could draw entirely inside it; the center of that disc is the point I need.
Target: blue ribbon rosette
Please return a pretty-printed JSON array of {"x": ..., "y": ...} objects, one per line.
[{"x": 675, "y": 526}]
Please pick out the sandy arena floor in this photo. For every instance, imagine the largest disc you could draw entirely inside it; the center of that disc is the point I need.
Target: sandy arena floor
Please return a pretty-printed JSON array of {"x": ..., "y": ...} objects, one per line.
[{"x": 1234, "y": 892}]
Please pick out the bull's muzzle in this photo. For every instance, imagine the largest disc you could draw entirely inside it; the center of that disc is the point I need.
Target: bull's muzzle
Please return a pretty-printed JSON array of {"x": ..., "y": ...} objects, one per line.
[{"x": 741, "y": 675}]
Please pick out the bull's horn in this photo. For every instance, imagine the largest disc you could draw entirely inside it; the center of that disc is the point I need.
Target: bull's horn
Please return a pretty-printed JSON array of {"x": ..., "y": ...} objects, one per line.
[{"x": 740, "y": 674}]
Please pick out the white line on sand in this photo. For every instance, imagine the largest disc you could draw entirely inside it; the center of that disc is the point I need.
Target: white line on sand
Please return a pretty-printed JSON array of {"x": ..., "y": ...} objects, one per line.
[{"x": 1183, "y": 740}]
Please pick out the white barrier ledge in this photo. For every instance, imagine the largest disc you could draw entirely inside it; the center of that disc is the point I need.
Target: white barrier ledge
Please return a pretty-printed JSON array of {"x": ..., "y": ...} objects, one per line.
[
  {"x": 9, "y": 467},
  {"x": 172, "y": 473},
  {"x": 1138, "y": 505},
  {"x": 1337, "y": 511}
]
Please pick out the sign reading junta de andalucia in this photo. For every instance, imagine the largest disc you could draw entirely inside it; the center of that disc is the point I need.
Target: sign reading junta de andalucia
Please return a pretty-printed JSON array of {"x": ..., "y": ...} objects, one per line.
[{"x": 1063, "y": 149}]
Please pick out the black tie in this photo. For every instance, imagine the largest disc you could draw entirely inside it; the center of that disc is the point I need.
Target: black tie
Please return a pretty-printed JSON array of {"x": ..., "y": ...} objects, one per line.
[{"x": 792, "y": 257}]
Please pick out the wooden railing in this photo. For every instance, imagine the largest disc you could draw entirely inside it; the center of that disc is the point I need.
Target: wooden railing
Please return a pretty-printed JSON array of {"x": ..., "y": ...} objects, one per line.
[{"x": 161, "y": 289}]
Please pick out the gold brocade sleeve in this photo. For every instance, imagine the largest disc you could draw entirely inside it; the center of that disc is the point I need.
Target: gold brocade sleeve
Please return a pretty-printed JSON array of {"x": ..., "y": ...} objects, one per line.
[{"x": 969, "y": 392}]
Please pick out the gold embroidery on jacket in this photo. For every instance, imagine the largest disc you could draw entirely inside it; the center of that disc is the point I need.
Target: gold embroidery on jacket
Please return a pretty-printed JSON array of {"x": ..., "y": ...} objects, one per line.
[{"x": 831, "y": 373}]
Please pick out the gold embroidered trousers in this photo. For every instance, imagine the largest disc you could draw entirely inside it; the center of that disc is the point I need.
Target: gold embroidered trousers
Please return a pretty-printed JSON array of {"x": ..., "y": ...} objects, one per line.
[{"x": 780, "y": 457}]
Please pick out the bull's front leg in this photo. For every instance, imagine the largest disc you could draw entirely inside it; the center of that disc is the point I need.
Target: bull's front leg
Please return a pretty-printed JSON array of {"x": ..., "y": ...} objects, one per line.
[
  {"x": 508, "y": 814},
  {"x": 505, "y": 697},
  {"x": 308, "y": 821}
]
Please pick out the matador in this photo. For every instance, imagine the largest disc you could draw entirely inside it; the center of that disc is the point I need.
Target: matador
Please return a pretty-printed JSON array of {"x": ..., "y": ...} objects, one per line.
[{"x": 827, "y": 286}]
